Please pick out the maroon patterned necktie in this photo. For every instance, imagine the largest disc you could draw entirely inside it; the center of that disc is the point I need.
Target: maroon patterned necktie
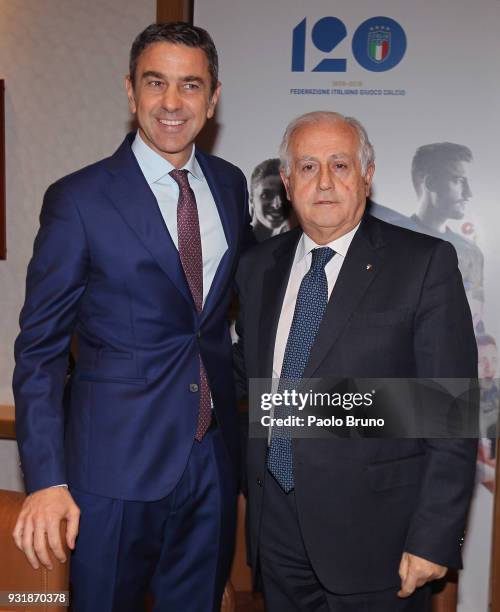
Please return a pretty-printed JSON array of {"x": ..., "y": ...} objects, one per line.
[{"x": 188, "y": 232}]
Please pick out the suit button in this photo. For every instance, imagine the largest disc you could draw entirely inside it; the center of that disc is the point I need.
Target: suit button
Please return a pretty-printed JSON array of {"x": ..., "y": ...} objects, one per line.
[
  {"x": 259, "y": 482},
  {"x": 193, "y": 387}
]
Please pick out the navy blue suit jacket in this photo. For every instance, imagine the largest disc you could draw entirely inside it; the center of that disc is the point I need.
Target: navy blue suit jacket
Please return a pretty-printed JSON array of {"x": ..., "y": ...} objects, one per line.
[{"x": 104, "y": 266}]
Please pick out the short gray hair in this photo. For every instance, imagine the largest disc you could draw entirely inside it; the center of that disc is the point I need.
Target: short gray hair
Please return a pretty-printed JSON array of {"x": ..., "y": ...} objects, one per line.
[{"x": 366, "y": 153}]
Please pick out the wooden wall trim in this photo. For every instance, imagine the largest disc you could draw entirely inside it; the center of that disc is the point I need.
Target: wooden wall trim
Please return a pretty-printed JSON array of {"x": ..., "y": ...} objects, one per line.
[
  {"x": 174, "y": 10},
  {"x": 7, "y": 422}
]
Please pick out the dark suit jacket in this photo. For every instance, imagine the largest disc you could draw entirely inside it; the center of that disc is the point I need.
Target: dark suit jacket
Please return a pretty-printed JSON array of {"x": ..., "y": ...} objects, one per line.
[
  {"x": 362, "y": 502},
  {"x": 104, "y": 265}
]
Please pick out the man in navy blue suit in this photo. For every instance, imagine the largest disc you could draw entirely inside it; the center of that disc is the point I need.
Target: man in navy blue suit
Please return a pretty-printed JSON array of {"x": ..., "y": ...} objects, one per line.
[{"x": 136, "y": 254}]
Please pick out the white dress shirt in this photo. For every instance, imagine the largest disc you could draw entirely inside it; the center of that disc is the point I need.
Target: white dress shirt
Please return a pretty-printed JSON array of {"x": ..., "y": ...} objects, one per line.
[
  {"x": 156, "y": 172},
  {"x": 300, "y": 267}
]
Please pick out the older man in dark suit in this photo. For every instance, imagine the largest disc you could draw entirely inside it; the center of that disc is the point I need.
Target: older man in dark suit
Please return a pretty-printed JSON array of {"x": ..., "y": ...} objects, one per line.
[{"x": 344, "y": 524}]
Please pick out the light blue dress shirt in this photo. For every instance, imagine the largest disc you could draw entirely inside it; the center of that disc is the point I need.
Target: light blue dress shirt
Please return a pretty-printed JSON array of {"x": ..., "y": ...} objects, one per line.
[{"x": 156, "y": 172}]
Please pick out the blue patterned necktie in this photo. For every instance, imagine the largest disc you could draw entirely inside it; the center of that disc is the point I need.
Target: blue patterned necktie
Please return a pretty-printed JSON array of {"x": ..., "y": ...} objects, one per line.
[{"x": 312, "y": 299}]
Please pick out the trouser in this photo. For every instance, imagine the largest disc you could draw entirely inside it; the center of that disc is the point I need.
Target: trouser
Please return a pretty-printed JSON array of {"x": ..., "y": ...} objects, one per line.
[
  {"x": 289, "y": 581},
  {"x": 178, "y": 548}
]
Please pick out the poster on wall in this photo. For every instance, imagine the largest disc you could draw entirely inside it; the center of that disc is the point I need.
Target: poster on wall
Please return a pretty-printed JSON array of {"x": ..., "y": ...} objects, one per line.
[{"x": 422, "y": 78}]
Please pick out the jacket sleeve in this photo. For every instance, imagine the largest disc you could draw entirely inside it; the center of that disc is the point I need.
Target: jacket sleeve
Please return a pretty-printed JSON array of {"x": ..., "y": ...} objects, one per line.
[
  {"x": 445, "y": 347},
  {"x": 56, "y": 281},
  {"x": 239, "y": 367}
]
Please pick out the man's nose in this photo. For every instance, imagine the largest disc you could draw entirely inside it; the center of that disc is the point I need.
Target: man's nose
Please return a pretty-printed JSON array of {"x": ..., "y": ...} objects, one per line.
[
  {"x": 171, "y": 100},
  {"x": 276, "y": 202},
  {"x": 326, "y": 179},
  {"x": 466, "y": 191}
]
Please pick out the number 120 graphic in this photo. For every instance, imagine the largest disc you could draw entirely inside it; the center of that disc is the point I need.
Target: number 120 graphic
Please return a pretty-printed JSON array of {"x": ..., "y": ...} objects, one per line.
[{"x": 378, "y": 44}]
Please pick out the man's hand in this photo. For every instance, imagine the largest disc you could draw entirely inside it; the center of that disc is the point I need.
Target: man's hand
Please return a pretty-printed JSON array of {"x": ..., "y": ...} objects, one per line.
[
  {"x": 415, "y": 572},
  {"x": 40, "y": 516}
]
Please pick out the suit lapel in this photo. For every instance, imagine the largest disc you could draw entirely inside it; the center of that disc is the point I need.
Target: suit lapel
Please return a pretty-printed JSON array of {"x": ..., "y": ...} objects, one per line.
[
  {"x": 136, "y": 203},
  {"x": 274, "y": 284},
  {"x": 358, "y": 271},
  {"x": 227, "y": 207}
]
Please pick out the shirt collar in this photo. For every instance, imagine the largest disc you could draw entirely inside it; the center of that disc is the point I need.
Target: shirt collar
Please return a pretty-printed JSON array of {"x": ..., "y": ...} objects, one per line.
[
  {"x": 155, "y": 167},
  {"x": 339, "y": 245}
]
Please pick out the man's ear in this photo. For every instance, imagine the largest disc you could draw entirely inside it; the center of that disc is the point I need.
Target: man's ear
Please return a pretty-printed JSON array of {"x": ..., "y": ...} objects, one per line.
[
  {"x": 429, "y": 183},
  {"x": 286, "y": 183},
  {"x": 130, "y": 94},
  {"x": 369, "y": 178},
  {"x": 214, "y": 98}
]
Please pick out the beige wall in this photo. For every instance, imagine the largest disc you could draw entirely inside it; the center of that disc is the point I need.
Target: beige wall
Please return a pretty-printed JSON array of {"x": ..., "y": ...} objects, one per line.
[{"x": 63, "y": 62}]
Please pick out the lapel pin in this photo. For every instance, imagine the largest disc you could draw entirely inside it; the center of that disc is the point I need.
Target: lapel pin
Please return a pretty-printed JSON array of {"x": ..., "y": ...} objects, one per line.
[{"x": 369, "y": 267}]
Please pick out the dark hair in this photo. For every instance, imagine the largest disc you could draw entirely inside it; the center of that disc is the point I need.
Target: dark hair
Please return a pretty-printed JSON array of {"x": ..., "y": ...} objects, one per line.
[
  {"x": 432, "y": 160},
  {"x": 268, "y": 167},
  {"x": 177, "y": 33}
]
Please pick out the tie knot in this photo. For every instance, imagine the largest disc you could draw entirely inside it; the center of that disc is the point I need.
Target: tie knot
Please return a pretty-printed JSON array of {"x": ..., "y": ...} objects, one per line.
[
  {"x": 180, "y": 177},
  {"x": 320, "y": 257}
]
